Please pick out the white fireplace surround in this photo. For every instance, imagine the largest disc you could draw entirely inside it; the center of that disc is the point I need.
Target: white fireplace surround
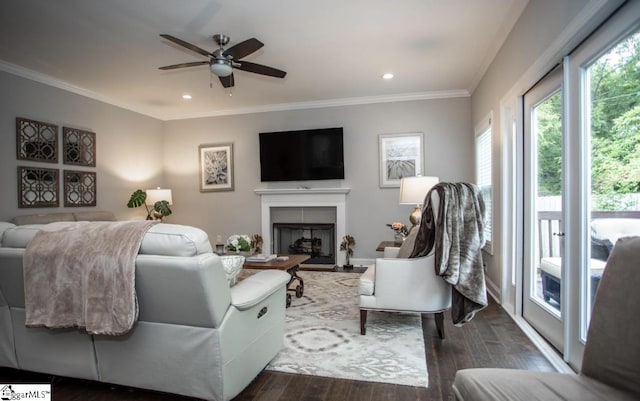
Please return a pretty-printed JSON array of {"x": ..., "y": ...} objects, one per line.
[{"x": 312, "y": 197}]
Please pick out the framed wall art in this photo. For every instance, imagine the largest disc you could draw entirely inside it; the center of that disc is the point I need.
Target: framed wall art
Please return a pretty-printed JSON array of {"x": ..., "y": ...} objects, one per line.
[
  {"x": 36, "y": 141},
  {"x": 79, "y": 188},
  {"x": 216, "y": 167},
  {"x": 38, "y": 187},
  {"x": 78, "y": 147},
  {"x": 401, "y": 155}
]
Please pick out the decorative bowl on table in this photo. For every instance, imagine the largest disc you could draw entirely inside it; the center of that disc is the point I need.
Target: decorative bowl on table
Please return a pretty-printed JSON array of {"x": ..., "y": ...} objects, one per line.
[{"x": 232, "y": 265}]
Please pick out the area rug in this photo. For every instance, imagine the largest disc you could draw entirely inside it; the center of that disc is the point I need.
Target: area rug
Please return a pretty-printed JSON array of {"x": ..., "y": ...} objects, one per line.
[{"x": 322, "y": 336}]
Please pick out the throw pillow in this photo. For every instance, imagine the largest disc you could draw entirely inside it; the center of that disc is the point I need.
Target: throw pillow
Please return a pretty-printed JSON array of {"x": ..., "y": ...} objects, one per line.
[
  {"x": 407, "y": 245},
  {"x": 232, "y": 266}
]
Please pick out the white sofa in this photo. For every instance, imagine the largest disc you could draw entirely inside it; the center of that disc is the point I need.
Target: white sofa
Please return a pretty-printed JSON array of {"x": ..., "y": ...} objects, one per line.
[{"x": 195, "y": 335}]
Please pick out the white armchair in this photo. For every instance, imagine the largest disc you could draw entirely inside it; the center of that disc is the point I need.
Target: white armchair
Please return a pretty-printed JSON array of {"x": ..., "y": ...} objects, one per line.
[{"x": 404, "y": 285}]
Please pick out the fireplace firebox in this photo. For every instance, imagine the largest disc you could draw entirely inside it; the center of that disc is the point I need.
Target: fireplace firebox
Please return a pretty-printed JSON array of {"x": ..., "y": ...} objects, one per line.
[{"x": 315, "y": 240}]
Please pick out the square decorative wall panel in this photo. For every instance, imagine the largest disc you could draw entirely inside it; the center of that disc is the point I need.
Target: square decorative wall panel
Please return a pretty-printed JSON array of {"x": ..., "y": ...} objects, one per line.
[
  {"x": 36, "y": 141},
  {"x": 79, "y": 188},
  {"x": 38, "y": 187},
  {"x": 79, "y": 147}
]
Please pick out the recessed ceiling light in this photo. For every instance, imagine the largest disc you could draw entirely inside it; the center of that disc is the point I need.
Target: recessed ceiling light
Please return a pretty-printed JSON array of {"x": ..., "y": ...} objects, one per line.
[
  {"x": 387, "y": 75},
  {"x": 186, "y": 96}
]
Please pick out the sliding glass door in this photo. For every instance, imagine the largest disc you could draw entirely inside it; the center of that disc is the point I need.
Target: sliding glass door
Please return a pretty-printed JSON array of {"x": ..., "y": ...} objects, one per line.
[
  {"x": 581, "y": 179},
  {"x": 604, "y": 77},
  {"x": 544, "y": 232}
]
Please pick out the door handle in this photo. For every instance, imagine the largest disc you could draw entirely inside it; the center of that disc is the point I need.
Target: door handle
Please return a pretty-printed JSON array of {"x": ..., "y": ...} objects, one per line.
[{"x": 559, "y": 234}]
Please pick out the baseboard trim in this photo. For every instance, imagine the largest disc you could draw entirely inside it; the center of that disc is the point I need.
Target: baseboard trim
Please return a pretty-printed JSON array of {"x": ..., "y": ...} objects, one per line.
[
  {"x": 493, "y": 290},
  {"x": 362, "y": 261},
  {"x": 544, "y": 347}
]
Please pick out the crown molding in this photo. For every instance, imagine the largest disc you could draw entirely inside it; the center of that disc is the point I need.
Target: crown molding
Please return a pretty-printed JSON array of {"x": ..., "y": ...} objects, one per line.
[
  {"x": 57, "y": 83},
  {"x": 316, "y": 104}
]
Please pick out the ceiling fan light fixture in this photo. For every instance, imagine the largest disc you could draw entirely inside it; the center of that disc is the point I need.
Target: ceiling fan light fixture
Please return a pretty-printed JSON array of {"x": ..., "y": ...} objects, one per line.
[
  {"x": 221, "y": 68},
  {"x": 223, "y": 61}
]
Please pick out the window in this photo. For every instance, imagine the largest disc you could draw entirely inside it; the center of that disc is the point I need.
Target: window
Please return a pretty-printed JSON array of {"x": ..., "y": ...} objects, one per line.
[{"x": 483, "y": 174}]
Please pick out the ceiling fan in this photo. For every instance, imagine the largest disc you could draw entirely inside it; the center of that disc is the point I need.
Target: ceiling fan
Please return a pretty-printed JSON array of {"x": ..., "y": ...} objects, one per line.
[{"x": 222, "y": 61}]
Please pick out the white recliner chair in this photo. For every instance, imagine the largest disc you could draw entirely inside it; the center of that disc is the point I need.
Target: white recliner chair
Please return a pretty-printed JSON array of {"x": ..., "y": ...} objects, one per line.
[{"x": 398, "y": 284}]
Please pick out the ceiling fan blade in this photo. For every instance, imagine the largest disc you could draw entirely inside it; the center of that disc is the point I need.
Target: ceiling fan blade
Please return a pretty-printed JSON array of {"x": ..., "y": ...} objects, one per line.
[
  {"x": 186, "y": 44},
  {"x": 243, "y": 49},
  {"x": 227, "y": 82},
  {"x": 259, "y": 69},
  {"x": 174, "y": 66}
]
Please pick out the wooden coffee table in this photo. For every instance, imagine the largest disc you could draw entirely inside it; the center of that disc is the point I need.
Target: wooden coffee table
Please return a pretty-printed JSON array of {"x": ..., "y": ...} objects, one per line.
[{"x": 291, "y": 266}]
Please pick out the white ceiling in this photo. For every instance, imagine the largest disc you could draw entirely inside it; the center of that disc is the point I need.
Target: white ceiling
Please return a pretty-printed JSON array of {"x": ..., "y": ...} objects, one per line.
[{"x": 334, "y": 51}]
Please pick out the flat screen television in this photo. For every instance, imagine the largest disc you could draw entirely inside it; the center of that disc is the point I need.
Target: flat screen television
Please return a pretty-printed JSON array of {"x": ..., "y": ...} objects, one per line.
[{"x": 315, "y": 154}]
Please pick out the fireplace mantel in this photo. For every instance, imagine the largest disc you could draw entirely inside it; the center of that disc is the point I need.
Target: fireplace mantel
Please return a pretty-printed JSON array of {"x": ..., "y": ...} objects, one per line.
[
  {"x": 303, "y": 197},
  {"x": 300, "y": 191}
]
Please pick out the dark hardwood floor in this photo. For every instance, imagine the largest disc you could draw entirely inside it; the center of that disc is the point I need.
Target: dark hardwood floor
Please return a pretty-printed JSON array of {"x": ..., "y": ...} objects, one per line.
[{"x": 491, "y": 339}]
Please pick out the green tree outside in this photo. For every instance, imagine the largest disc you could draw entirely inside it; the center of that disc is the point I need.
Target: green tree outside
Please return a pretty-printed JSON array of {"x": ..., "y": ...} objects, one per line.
[{"x": 615, "y": 130}]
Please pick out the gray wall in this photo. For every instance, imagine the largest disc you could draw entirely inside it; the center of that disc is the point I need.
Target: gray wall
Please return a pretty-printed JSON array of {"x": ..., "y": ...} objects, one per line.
[
  {"x": 528, "y": 44},
  {"x": 448, "y": 149},
  {"x": 135, "y": 151},
  {"x": 129, "y": 148}
]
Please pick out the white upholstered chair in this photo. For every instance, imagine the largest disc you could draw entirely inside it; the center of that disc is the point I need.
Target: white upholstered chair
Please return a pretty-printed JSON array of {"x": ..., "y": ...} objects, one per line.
[{"x": 398, "y": 284}]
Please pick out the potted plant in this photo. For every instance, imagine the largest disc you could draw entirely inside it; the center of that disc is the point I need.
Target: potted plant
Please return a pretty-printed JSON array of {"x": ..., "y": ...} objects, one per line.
[
  {"x": 239, "y": 243},
  {"x": 160, "y": 208},
  {"x": 401, "y": 231},
  {"x": 348, "y": 242},
  {"x": 256, "y": 243}
]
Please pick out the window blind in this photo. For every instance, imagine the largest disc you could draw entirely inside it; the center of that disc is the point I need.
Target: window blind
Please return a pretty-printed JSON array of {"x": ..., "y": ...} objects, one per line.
[{"x": 483, "y": 176}]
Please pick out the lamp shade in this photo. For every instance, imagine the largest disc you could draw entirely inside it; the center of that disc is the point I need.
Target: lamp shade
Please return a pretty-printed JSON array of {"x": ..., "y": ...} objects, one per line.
[
  {"x": 156, "y": 195},
  {"x": 221, "y": 68},
  {"x": 414, "y": 189}
]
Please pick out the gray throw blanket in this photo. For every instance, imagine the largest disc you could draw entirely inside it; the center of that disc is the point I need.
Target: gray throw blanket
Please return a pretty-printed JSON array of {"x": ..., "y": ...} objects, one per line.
[
  {"x": 82, "y": 274},
  {"x": 458, "y": 238}
]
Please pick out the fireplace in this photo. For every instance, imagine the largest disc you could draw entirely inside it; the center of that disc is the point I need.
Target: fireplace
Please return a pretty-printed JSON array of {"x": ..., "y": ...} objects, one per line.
[
  {"x": 311, "y": 204},
  {"x": 316, "y": 240}
]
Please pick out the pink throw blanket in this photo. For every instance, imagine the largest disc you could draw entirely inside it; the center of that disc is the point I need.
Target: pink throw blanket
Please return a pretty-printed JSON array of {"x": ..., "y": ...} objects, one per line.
[{"x": 82, "y": 274}]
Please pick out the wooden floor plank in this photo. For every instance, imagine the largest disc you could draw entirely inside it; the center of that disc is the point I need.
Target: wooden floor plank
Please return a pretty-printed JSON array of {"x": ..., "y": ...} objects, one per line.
[
  {"x": 338, "y": 390},
  {"x": 297, "y": 385},
  {"x": 316, "y": 390},
  {"x": 360, "y": 391},
  {"x": 274, "y": 388},
  {"x": 491, "y": 339}
]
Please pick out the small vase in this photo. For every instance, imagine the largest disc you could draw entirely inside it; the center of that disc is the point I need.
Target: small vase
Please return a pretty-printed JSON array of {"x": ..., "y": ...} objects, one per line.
[{"x": 398, "y": 237}]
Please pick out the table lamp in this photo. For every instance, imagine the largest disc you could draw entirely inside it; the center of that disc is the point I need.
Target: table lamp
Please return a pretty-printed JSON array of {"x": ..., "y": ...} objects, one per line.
[
  {"x": 413, "y": 190},
  {"x": 156, "y": 195}
]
